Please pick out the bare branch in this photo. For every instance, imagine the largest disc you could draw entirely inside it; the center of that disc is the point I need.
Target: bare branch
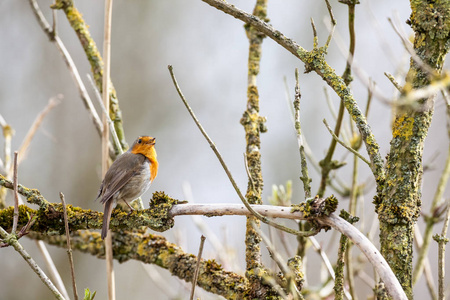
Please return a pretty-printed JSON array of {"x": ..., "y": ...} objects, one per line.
[
  {"x": 34, "y": 127},
  {"x": 16, "y": 196},
  {"x": 69, "y": 248},
  {"x": 51, "y": 33},
  {"x": 197, "y": 268},
  {"x": 10, "y": 239},
  {"x": 344, "y": 145}
]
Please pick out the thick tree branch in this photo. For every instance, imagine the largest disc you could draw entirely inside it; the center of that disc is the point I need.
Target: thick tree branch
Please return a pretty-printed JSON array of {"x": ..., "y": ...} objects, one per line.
[{"x": 155, "y": 249}]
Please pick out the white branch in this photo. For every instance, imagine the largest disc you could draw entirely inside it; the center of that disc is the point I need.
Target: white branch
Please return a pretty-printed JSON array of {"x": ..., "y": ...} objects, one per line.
[{"x": 374, "y": 256}]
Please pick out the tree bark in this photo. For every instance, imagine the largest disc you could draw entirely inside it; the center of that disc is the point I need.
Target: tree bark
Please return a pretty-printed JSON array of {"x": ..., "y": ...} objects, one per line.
[{"x": 400, "y": 202}]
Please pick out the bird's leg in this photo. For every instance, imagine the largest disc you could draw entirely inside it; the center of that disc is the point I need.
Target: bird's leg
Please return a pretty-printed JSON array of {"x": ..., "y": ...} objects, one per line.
[{"x": 132, "y": 209}]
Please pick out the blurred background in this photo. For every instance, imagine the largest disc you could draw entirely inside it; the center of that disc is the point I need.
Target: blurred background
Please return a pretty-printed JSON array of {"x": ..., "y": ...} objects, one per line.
[{"x": 208, "y": 51}]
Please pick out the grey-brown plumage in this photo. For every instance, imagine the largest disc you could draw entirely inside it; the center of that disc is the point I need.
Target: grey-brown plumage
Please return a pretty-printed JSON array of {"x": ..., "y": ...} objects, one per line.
[{"x": 128, "y": 177}]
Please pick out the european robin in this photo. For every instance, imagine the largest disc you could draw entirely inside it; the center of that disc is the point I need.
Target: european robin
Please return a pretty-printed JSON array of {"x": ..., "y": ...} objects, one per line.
[{"x": 128, "y": 177}]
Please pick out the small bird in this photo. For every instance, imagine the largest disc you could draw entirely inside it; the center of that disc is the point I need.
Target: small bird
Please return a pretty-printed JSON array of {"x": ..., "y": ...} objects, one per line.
[{"x": 128, "y": 177}]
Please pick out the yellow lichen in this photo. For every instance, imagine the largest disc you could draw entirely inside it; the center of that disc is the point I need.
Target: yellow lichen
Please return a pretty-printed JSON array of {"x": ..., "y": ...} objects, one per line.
[{"x": 403, "y": 127}]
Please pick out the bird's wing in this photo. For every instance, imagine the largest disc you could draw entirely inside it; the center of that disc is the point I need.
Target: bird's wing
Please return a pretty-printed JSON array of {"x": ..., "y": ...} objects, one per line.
[{"x": 121, "y": 171}]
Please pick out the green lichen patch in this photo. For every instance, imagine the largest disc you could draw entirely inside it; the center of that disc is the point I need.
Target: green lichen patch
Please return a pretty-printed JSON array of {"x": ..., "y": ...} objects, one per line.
[
  {"x": 158, "y": 213},
  {"x": 295, "y": 264},
  {"x": 316, "y": 207},
  {"x": 440, "y": 239},
  {"x": 348, "y": 217}
]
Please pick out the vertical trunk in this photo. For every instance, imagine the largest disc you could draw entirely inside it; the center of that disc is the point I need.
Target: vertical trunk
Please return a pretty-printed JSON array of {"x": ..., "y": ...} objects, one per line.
[
  {"x": 399, "y": 205},
  {"x": 253, "y": 124}
]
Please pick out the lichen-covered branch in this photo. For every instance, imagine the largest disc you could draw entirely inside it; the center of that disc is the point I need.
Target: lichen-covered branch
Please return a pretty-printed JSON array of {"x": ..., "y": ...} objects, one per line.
[
  {"x": 33, "y": 196},
  {"x": 398, "y": 206},
  {"x": 304, "y": 167},
  {"x": 155, "y": 249},
  {"x": 315, "y": 61},
  {"x": 253, "y": 124},
  {"x": 90, "y": 48},
  {"x": 328, "y": 164}
]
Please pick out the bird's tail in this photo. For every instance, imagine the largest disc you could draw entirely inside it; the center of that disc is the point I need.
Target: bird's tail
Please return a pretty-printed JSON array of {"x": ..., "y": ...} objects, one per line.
[{"x": 106, "y": 218}]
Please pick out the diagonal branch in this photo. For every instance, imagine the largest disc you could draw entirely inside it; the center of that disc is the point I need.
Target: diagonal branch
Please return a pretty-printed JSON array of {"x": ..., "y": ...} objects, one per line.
[
  {"x": 69, "y": 62},
  {"x": 96, "y": 61},
  {"x": 315, "y": 61}
]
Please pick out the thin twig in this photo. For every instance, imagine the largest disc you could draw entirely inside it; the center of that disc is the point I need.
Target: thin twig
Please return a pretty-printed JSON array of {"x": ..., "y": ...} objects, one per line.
[
  {"x": 441, "y": 259},
  {"x": 10, "y": 239},
  {"x": 54, "y": 31},
  {"x": 227, "y": 171},
  {"x": 344, "y": 145},
  {"x": 356, "y": 68},
  {"x": 292, "y": 288},
  {"x": 197, "y": 267},
  {"x": 347, "y": 76},
  {"x": 69, "y": 248},
  {"x": 248, "y": 171},
  {"x": 438, "y": 201},
  {"x": 304, "y": 167},
  {"x": 407, "y": 45},
  {"x": 36, "y": 124},
  {"x": 113, "y": 132},
  {"x": 16, "y": 195},
  {"x": 393, "y": 81},
  {"x": 51, "y": 268},
  {"x": 323, "y": 255},
  {"x": 418, "y": 243},
  {"x": 164, "y": 286},
  {"x": 324, "y": 71},
  {"x": 315, "y": 37},
  {"x": 51, "y": 33},
  {"x": 333, "y": 24},
  {"x": 8, "y": 132},
  {"x": 105, "y": 137}
]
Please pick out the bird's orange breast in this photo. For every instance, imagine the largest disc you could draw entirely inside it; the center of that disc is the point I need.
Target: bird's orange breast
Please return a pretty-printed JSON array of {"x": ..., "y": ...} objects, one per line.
[{"x": 145, "y": 145}]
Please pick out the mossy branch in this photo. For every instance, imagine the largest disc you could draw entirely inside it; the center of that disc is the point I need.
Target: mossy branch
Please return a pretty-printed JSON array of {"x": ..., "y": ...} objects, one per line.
[{"x": 155, "y": 249}]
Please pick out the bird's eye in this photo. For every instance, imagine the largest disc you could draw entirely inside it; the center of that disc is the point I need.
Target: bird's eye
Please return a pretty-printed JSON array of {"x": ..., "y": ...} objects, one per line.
[{"x": 139, "y": 141}]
